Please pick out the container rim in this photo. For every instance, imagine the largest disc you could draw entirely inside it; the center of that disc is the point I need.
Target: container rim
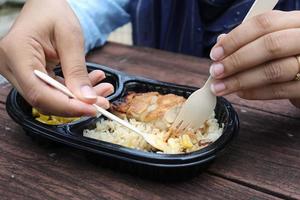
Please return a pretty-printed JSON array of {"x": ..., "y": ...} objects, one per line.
[{"x": 60, "y": 133}]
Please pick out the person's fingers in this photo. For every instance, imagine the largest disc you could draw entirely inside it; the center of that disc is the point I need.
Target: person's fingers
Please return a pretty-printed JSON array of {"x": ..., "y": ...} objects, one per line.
[
  {"x": 221, "y": 37},
  {"x": 9, "y": 76},
  {"x": 96, "y": 76},
  {"x": 20, "y": 72},
  {"x": 217, "y": 51},
  {"x": 252, "y": 29},
  {"x": 287, "y": 90},
  {"x": 70, "y": 47},
  {"x": 51, "y": 101},
  {"x": 37, "y": 93},
  {"x": 278, "y": 71},
  {"x": 269, "y": 47},
  {"x": 104, "y": 89},
  {"x": 103, "y": 102},
  {"x": 63, "y": 105}
]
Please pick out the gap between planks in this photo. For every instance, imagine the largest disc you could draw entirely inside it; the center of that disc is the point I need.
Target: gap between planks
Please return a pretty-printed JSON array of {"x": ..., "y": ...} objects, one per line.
[{"x": 252, "y": 186}]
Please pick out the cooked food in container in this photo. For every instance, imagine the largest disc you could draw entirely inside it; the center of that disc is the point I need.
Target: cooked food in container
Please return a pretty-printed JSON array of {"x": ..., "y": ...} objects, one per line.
[
  {"x": 134, "y": 100},
  {"x": 153, "y": 113},
  {"x": 51, "y": 119}
]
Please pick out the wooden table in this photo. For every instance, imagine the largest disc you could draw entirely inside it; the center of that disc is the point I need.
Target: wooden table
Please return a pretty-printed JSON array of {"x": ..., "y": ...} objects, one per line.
[{"x": 262, "y": 163}]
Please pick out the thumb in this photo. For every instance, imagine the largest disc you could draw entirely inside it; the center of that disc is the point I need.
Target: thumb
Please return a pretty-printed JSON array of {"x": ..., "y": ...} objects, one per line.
[{"x": 70, "y": 47}]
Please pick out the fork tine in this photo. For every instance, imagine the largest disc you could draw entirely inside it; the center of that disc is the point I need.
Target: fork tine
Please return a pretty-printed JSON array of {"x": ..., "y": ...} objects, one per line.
[
  {"x": 184, "y": 125},
  {"x": 176, "y": 123}
]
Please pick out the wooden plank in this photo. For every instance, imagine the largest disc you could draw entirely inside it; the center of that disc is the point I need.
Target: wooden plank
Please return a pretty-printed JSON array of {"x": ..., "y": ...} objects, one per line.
[
  {"x": 31, "y": 171},
  {"x": 265, "y": 155},
  {"x": 176, "y": 68},
  {"x": 265, "y": 159}
]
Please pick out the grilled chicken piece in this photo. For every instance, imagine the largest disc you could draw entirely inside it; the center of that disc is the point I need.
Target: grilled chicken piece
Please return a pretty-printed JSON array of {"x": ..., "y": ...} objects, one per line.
[{"x": 161, "y": 110}]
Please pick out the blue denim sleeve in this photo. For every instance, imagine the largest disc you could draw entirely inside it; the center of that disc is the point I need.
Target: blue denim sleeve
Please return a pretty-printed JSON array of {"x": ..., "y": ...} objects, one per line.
[{"x": 98, "y": 18}]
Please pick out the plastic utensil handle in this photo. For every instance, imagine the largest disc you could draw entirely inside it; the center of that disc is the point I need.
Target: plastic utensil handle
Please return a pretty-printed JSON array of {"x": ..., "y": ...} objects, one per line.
[
  {"x": 66, "y": 91},
  {"x": 259, "y": 7},
  {"x": 44, "y": 77}
]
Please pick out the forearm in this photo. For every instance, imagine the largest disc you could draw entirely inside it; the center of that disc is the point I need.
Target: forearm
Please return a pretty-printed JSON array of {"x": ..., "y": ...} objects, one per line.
[{"x": 98, "y": 18}]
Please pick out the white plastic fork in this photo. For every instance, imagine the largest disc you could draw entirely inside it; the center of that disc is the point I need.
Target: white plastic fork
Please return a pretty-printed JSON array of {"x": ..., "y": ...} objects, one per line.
[
  {"x": 200, "y": 105},
  {"x": 149, "y": 138}
]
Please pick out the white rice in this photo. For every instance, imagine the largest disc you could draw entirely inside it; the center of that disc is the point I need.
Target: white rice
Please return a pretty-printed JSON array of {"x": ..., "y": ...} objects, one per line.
[{"x": 113, "y": 132}]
